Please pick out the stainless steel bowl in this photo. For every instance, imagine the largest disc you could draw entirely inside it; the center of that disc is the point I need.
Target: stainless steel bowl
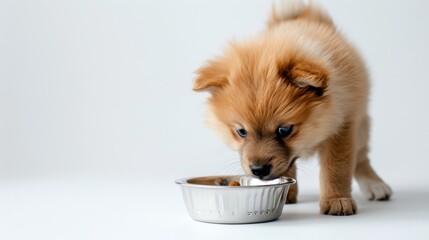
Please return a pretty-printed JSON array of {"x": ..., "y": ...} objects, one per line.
[{"x": 210, "y": 199}]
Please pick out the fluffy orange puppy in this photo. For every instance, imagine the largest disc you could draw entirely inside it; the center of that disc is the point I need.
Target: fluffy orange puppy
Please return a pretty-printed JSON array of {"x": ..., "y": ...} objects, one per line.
[{"x": 297, "y": 89}]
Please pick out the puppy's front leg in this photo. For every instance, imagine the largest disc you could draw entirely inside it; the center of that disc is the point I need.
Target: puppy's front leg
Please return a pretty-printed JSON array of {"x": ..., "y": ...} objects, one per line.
[
  {"x": 292, "y": 194},
  {"x": 337, "y": 163}
]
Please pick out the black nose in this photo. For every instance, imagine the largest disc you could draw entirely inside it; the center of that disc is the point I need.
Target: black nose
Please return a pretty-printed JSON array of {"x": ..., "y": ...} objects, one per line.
[{"x": 260, "y": 170}]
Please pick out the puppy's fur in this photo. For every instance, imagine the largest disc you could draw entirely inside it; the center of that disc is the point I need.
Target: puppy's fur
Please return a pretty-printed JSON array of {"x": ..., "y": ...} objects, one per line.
[{"x": 300, "y": 71}]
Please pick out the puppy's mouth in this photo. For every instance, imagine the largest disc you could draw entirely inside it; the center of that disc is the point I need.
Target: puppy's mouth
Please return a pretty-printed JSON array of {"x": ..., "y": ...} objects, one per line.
[
  {"x": 282, "y": 172},
  {"x": 267, "y": 178}
]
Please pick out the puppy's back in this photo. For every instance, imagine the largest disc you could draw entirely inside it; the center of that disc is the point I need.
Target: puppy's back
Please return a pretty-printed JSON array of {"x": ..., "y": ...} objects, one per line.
[{"x": 286, "y": 10}]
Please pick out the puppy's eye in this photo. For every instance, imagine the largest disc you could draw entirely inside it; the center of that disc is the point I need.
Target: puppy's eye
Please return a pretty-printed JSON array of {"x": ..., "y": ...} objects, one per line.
[
  {"x": 242, "y": 132},
  {"x": 284, "y": 131}
]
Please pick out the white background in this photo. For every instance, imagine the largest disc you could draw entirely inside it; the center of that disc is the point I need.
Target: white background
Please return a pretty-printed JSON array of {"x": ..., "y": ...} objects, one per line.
[{"x": 97, "y": 119}]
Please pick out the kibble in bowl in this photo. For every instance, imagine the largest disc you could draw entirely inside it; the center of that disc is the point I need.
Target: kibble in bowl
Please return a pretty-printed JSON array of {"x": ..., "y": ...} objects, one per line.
[
  {"x": 234, "y": 183},
  {"x": 234, "y": 199}
]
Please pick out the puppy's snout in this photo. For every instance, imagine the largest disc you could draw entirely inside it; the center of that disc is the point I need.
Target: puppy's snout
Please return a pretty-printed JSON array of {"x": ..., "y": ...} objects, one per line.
[{"x": 261, "y": 170}]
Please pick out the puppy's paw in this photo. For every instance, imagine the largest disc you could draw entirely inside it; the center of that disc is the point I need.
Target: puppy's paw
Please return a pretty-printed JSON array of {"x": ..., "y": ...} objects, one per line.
[
  {"x": 375, "y": 189},
  {"x": 338, "y": 206}
]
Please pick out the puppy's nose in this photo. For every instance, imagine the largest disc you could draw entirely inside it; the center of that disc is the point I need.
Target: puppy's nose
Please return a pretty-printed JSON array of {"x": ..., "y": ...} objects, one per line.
[{"x": 260, "y": 170}]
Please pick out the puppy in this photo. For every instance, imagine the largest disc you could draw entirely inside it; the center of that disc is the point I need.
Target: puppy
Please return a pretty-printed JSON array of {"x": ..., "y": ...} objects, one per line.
[{"x": 297, "y": 89}]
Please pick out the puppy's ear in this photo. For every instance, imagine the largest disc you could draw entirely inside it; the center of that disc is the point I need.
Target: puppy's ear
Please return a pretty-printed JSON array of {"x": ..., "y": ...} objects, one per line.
[
  {"x": 211, "y": 76},
  {"x": 307, "y": 75}
]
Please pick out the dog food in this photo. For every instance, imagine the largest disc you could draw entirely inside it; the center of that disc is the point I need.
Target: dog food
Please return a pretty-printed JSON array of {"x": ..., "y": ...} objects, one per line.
[{"x": 234, "y": 183}]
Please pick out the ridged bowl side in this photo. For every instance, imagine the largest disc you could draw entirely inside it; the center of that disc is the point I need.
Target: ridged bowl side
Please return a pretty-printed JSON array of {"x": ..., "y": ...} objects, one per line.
[{"x": 235, "y": 205}]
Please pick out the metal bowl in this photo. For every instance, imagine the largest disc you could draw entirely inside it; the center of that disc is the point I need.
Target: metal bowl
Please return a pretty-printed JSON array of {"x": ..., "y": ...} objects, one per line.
[{"x": 210, "y": 199}]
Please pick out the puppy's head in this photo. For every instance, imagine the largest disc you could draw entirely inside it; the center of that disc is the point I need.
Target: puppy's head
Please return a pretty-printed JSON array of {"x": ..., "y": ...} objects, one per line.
[{"x": 268, "y": 103}]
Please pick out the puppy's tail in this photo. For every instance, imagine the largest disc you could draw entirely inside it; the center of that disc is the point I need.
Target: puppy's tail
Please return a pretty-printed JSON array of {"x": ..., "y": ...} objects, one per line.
[{"x": 286, "y": 10}]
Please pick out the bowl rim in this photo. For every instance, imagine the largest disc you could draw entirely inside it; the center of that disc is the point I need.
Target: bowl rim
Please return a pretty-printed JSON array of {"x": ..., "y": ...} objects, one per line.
[{"x": 184, "y": 182}]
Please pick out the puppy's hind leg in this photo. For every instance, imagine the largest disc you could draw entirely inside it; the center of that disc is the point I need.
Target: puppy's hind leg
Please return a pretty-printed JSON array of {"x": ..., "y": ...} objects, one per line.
[{"x": 369, "y": 182}]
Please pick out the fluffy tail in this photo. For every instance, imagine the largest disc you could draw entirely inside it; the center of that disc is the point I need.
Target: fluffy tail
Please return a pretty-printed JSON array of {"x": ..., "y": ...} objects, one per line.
[{"x": 285, "y": 10}]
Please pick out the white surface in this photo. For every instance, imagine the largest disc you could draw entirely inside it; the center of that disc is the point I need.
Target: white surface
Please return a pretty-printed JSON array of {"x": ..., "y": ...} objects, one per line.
[
  {"x": 124, "y": 207},
  {"x": 97, "y": 119}
]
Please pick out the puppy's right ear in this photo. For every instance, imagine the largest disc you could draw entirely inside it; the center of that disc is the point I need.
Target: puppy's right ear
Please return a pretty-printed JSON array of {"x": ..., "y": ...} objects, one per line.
[{"x": 211, "y": 76}]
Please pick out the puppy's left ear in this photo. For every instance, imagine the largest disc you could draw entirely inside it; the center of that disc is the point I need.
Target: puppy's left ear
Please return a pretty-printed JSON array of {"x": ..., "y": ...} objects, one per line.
[
  {"x": 211, "y": 76},
  {"x": 307, "y": 75}
]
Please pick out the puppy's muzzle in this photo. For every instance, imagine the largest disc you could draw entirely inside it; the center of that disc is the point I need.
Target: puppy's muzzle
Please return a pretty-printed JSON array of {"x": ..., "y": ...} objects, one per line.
[{"x": 261, "y": 170}]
